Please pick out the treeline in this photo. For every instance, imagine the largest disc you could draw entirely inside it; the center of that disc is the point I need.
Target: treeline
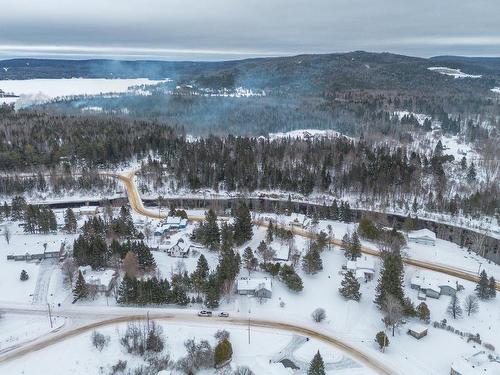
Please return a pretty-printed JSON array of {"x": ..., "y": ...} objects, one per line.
[
  {"x": 338, "y": 166},
  {"x": 56, "y": 181},
  {"x": 31, "y": 139}
]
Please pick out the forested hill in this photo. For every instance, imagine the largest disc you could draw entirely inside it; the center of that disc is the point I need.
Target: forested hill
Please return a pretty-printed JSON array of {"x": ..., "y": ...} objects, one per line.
[{"x": 302, "y": 74}]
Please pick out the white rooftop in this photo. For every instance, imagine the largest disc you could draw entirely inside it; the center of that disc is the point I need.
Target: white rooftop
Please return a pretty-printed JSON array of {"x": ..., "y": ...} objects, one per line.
[
  {"x": 417, "y": 328},
  {"x": 478, "y": 363},
  {"x": 422, "y": 233},
  {"x": 245, "y": 283}
]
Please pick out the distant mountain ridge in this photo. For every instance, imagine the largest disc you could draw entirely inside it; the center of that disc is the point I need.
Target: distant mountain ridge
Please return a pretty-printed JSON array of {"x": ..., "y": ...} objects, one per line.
[{"x": 311, "y": 74}]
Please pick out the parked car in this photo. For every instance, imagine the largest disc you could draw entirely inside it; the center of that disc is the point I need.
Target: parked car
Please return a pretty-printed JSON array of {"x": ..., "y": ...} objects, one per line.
[
  {"x": 224, "y": 315},
  {"x": 205, "y": 313}
]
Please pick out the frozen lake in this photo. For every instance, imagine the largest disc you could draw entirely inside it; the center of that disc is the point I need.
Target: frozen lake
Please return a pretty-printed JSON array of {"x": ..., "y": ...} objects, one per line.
[{"x": 40, "y": 90}]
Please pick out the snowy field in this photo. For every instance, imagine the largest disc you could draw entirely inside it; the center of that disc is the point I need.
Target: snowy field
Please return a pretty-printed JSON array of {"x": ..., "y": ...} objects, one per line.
[
  {"x": 78, "y": 356},
  {"x": 17, "y": 329},
  {"x": 455, "y": 73},
  {"x": 36, "y": 91}
]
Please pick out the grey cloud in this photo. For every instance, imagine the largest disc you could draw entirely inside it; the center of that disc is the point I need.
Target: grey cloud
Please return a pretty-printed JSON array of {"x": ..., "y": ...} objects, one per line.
[{"x": 215, "y": 29}]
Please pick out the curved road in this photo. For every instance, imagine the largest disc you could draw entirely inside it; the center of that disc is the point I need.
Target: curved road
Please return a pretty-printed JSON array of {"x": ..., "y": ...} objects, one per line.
[
  {"x": 111, "y": 318},
  {"x": 136, "y": 204}
]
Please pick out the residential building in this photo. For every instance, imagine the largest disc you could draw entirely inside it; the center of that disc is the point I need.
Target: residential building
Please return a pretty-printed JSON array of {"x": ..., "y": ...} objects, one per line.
[
  {"x": 363, "y": 268},
  {"x": 259, "y": 287},
  {"x": 422, "y": 236}
]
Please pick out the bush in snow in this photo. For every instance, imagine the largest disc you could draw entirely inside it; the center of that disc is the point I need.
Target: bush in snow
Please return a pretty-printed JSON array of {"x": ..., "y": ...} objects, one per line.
[
  {"x": 142, "y": 337},
  {"x": 119, "y": 367},
  {"x": 243, "y": 371},
  {"x": 24, "y": 276},
  {"x": 223, "y": 353},
  {"x": 382, "y": 340},
  {"x": 221, "y": 335},
  {"x": 318, "y": 315},
  {"x": 199, "y": 356},
  {"x": 99, "y": 340}
]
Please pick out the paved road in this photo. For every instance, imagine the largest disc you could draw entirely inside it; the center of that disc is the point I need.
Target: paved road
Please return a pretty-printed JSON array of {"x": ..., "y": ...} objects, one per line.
[
  {"x": 110, "y": 316},
  {"x": 136, "y": 204}
]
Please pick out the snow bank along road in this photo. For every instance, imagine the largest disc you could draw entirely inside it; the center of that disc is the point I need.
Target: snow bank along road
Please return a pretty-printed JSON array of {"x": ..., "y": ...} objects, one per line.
[
  {"x": 109, "y": 316},
  {"x": 136, "y": 204}
]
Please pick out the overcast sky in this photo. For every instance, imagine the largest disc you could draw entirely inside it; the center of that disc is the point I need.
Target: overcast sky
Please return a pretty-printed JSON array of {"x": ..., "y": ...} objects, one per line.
[{"x": 227, "y": 29}]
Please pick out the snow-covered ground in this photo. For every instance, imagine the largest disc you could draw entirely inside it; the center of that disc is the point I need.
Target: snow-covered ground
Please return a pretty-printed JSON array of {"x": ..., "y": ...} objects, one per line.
[
  {"x": 496, "y": 90},
  {"x": 354, "y": 322},
  {"x": 456, "y": 73},
  {"x": 17, "y": 329},
  {"x": 36, "y": 91},
  {"x": 78, "y": 356}
]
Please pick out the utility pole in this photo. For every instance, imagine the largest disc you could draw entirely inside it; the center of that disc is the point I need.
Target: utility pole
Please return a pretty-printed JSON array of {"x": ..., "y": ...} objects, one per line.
[{"x": 50, "y": 316}]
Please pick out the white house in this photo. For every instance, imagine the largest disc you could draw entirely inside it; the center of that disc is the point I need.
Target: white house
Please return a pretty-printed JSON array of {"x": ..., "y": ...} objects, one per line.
[
  {"x": 179, "y": 250},
  {"x": 261, "y": 287},
  {"x": 432, "y": 286},
  {"x": 422, "y": 236},
  {"x": 103, "y": 280},
  {"x": 363, "y": 268}
]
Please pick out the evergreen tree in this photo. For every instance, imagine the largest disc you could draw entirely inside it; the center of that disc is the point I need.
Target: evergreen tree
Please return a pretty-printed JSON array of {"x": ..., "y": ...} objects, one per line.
[
  {"x": 482, "y": 287},
  {"x": 249, "y": 260},
  {"x": 471, "y": 174},
  {"x": 391, "y": 278},
  {"x": 354, "y": 248},
  {"x": 70, "y": 223},
  {"x": 311, "y": 262},
  {"x": 334, "y": 210},
  {"x": 24, "y": 275},
  {"x": 223, "y": 352},
  {"x": 423, "y": 312},
  {"x": 290, "y": 278},
  {"x": 80, "y": 291},
  {"x": 492, "y": 291},
  {"x": 350, "y": 287},
  {"x": 382, "y": 340},
  {"x": 17, "y": 208},
  {"x": 212, "y": 233},
  {"x": 213, "y": 291},
  {"x": 317, "y": 366},
  {"x": 270, "y": 232},
  {"x": 243, "y": 225}
]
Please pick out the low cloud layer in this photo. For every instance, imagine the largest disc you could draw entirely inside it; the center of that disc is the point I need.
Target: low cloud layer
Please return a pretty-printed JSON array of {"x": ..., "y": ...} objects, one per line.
[{"x": 219, "y": 29}]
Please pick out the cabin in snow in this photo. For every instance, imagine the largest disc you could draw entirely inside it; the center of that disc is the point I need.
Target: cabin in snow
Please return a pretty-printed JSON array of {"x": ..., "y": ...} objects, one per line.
[
  {"x": 422, "y": 236},
  {"x": 363, "y": 268},
  {"x": 417, "y": 330},
  {"x": 261, "y": 287}
]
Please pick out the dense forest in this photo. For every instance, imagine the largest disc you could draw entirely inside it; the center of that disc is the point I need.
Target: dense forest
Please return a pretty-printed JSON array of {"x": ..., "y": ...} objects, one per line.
[{"x": 338, "y": 166}]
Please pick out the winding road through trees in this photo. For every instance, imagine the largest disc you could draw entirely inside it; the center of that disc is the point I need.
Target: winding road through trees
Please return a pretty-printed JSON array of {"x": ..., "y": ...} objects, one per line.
[{"x": 137, "y": 205}]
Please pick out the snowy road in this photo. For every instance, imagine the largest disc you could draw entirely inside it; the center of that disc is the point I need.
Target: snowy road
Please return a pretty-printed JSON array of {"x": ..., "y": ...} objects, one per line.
[
  {"x": 136, "y": 204},
  {"x": 86, "y": 318},
  {"x": 47, "y": 266}
]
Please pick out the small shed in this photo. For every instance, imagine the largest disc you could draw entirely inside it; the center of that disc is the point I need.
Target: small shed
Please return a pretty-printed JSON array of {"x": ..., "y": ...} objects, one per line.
[{"x": 417, "y": 330}]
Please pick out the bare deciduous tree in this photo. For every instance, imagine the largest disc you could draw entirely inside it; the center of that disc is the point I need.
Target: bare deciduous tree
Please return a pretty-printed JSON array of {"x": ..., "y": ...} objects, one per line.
[
  {"x": 393, "y": 312},
  {"x": 454, "y": 309},
  {"x": 6, "y": 234},
  {"x": 131, "y": 264},
  {"x": 318, "y": 315},
  {"x": 471, "y": 304},
  {"x": 69, "y": 269}
]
